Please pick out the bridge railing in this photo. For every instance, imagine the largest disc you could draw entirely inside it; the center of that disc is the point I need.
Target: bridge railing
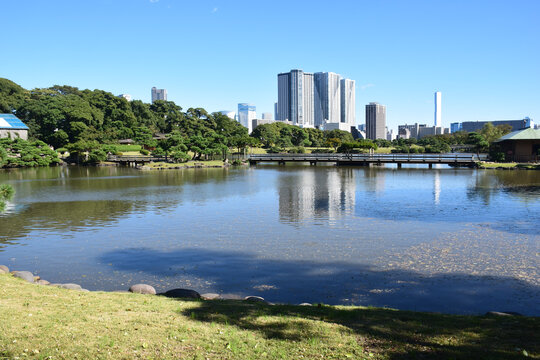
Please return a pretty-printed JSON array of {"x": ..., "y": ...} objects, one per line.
[
  {"x": 447, "y": 157},
  {"x": 135, "y": 158}
]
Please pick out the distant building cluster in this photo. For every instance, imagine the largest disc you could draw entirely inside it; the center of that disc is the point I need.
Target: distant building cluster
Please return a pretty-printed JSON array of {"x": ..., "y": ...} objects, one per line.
[
  {"x": 471, "y": 126},
  {"x": 322, "y": 100}
]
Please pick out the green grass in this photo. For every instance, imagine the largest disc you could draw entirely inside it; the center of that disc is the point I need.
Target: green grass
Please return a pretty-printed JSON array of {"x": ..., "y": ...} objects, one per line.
[
  {"x": 44, "y": 322},
  {"x": 494, "y": 165},
  {"x": 127, "y": 148},
  {"x": 189, "y": 163}
]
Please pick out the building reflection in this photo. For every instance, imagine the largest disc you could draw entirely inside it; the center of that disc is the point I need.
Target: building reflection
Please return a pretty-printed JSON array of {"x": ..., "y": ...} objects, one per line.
[{"x": 319, "y": 194}]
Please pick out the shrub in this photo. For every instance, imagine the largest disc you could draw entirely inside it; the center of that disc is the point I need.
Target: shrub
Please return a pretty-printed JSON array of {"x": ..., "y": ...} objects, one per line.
[
  {"x": 322, "y": 151},
  {"x": 275, "y": 150},
  {"x": 297, "y": 150},
  {"x": 144, "y": 152},
  {"x": 97, "y": 155}
]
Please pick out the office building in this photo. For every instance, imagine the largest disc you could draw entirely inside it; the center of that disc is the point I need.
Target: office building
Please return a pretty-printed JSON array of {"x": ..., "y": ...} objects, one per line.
[
  {"x": 257, "y": 122},
  {"x": 375, "y": 121},
  {"x": 267, "y": 116},
  {"x": 327, "y": 98},
  {"x": 246, "y": 113},
  {"x": 295, "y": 98},
  {"x": 230, "y": 114},
  {"x": 159, "y": 94},
  {"x": 348, "y": 101},
  {"x": 438, "y": 121},
  {"x": 276, "y": 111},
  {"x": 471, "y": 126},
  {"x": 414, "y": 130}
]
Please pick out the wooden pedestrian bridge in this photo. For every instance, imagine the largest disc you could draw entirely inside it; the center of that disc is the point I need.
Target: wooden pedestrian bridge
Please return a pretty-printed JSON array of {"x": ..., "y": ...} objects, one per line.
[
  {"x": 135, "y": 160},
  {"x": 454, "y": 159}
]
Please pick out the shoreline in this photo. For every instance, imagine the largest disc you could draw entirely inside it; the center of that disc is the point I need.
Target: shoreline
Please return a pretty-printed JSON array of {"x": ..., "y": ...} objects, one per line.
[{"x": 55, "y": 323}]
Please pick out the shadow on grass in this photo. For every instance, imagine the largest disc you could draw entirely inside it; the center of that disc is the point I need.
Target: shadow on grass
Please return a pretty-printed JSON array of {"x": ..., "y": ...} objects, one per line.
[{"x": 396, "y": 334}]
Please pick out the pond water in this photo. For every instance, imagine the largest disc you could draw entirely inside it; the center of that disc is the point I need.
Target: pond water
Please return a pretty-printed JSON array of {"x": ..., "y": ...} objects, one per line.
[{"x": 443, "y": 239}]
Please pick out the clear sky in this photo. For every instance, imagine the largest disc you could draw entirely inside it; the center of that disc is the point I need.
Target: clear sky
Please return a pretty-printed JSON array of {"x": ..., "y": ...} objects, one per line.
[{"x": 484, "y": 56}]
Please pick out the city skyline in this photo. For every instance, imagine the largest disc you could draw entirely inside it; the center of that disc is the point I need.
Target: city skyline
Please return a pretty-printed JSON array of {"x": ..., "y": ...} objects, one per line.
[
  {"x": 420, "y": 50},
  {"x": 315, "y": 99}
]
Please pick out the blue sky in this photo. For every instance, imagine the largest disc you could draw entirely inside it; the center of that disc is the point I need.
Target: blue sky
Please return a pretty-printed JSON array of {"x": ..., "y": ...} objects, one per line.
[{"x": 484, "y": 56}]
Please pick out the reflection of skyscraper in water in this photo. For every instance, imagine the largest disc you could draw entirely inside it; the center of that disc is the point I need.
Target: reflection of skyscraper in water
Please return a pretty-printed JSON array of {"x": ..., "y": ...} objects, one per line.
[
  {"x": 316, "y": 194},
  {"x": 437, "y": 187},
  {"x": 374, "y": 179}
]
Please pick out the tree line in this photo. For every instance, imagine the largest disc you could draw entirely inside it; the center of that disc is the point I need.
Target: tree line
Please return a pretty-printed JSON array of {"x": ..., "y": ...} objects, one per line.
[{"x": 91, "y": 122}]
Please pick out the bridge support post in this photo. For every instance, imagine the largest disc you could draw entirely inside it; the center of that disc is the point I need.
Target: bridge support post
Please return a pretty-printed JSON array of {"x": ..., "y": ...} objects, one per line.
[
  {"x": 431, "y": 166},
  {"x": 399, "y": 165},
  {"x": 313, "y": 163},
  {"x": 280, "y": 162}
]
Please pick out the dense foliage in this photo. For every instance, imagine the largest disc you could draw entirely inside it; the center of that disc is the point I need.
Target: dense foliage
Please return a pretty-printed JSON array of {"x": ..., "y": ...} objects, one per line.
[
  {"x": 80, "y": 120},
  {"x": 23, "y": 153}
]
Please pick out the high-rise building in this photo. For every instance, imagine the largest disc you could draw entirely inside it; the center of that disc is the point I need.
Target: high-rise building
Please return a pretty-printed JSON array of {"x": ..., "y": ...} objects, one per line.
[
  {"x": 438, "y": 121},
  {"x": 246, "y": 113},
  {"x": 327, "y": 98},
  {"x": 348, "y": 101},
  {"x": 295, "y": 98},
  {"x": 315, "y": 100},
  {"x": 375, "y": 121},
  {"x": 267, "y": 116},
  {"x": 159, "y": 94}
]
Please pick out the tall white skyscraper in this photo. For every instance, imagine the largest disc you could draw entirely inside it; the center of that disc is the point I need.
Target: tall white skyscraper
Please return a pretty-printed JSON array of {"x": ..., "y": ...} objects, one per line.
[
  {"x": 438, "y": 121},
  {"x": 295, "y": 98},
  {"x": 246, "y": 113},
  {"x": 327, "y": 98},
  {"x": 348, "y": 102},
  {"x": 159, "y": 94}
]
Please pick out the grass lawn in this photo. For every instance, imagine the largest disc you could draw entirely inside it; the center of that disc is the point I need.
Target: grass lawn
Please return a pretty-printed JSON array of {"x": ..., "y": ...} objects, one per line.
[
  {"x": 128, "y": 148},
  {"x": 189, "y": 163},
  {"x": 42, "y": 322},
  {"x": 490, "y": 165}
]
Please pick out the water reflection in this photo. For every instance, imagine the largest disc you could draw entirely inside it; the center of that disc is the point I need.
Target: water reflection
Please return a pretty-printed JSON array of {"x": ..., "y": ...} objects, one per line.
[
  {"x": 220, "y": 229},
  {"x": 316, "y": 194}
]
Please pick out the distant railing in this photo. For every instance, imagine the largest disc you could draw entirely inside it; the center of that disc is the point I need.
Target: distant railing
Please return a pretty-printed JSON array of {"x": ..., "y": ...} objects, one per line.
[
  {"x": 447, "y": 157},
  {"x": 135, "y": 158}
]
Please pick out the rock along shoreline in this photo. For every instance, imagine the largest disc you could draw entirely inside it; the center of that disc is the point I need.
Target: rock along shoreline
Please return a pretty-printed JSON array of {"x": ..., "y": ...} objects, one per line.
[{"x": 177, "y": 293}]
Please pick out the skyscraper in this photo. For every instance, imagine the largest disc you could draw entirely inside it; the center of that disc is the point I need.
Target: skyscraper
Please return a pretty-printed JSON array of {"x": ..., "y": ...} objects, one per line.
[
  {"x": 159, "y": 94},
  {"x": 327, "y": 98},
  {"x": 375, "y": 121},
  {"x": 438, "y": 121},
  {"x": 295, "y": 98},
  {"x": 246, "y": 113},
  {"x": 348, "y": 102}
]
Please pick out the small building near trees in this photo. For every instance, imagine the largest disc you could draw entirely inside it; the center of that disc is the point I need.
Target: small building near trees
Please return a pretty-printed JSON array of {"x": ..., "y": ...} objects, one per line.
[
  {"x": 12, "y": 127},
  {"x": 521, "y": 146}
]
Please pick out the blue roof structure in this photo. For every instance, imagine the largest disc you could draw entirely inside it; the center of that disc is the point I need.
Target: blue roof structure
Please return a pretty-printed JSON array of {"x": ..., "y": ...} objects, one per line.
[{"x": 11, "y": 122}]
